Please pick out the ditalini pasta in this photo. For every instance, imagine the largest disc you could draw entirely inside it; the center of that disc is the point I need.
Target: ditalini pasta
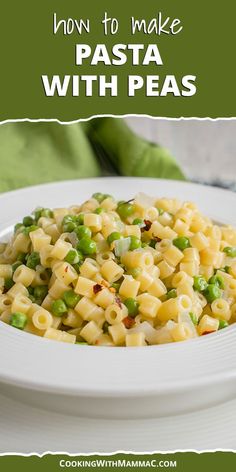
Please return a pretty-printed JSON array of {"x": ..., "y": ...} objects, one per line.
[{"x": 129, "y": 273}]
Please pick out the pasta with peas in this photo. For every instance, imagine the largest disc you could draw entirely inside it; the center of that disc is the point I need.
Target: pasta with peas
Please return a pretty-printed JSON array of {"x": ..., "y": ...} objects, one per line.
[{"x": 131, "y": 273}]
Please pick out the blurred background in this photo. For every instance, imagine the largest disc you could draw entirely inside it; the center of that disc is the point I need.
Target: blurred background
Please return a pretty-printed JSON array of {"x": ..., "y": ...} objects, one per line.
[{"x": 205, "y": 150}]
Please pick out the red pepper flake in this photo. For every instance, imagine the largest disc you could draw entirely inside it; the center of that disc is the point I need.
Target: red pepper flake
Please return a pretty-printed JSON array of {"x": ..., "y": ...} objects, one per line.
[
  {"x": 128, "y": 201},
  {"x": 156, "y": 239},
  {"x": 128, "y": 322},
  {"x": 118, "y": 301},
  {"x": 147, "y": 226},
  {"x": 207, "y": 332},
  {"x": 97, "y": 288}
]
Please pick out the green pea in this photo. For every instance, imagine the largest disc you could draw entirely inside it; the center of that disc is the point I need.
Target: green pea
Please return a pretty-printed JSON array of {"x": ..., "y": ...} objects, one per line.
[
  {"x": 73, "y": 257},
  {"x": 87, "y": 246},
  {"x": 69, "y": 227},
  {"x": 113, "y": 237},
  {"x": 135, "y": 243},
  {"x": 8, "y": 283},
  {"x": 132, "y": 306},
  {"x": 47, "y": 213},
  {"x": 199, "y": 283},
  {"x": 83, "y": 231},
  {"x": 71, "y": 298},
  {"x": 99, "y": 197},
  {"x": 37, "y": 213},
  {"x": 16, "y": 265},
  {"x": 116, "y": 286},
  {"x": 68, "y": 218},
  {"x": 77, "y": 267},
  {"x": 80, "y": 219},
  {"x": 135, "y": 272},
  {"x": 68, "y": 224},
  {"x": 40, "y": 292},
  {"x": 18, "y": 226},
  {"x": 18, "y": 320},
  {"x": 138, "y": 221},
  {"x": 171, "y": 294},
  {"x": 28, "y": 221},
  {"x": 230, "y": 251},
  {"x": 99, "y": 210},
  {"x": 212, "y": 292},
  {"x": 40, "y": 211},
  {"x": 29, "y": 229},
  {"x": 125, "y": 210},
  {"x": 105, "y": 326},
  {"x": 223, "y": 324},
  {"x": 193, "y": 318},
  {"x": 217, "y": 280},
  {"x": 33, "y": 260},
  {"x": 59, "y": 307},
  {"x": 182, "y": 242},
  {"x": 30, "y": 290},
  {"x": 21, "y": 256},
  {"x": 152, "y": 243},
  {"x": 161, "y": 211}
]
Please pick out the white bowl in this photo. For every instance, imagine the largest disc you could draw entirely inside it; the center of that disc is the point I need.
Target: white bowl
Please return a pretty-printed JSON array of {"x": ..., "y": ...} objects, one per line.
[{"x": 117, "y": 382}]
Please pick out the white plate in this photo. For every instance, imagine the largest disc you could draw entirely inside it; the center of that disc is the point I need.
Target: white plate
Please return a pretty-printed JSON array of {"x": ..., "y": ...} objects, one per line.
[
  {"x": 118, "y": 382},
  {"x": 26, "y": 430}
]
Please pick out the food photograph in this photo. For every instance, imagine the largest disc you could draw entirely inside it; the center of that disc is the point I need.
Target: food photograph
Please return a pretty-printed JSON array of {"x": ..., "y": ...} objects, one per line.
[{"x": 117, "y": 285}]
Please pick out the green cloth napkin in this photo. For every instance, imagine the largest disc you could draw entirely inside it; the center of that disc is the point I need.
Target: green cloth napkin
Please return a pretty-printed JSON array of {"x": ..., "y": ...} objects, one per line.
[{"x": 33, "y": 153}]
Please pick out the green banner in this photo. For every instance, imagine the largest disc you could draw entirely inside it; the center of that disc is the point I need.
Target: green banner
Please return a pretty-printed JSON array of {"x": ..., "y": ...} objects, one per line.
[
  {"x": 71, "y": 60},
  {"x": 179, "y": 461}
]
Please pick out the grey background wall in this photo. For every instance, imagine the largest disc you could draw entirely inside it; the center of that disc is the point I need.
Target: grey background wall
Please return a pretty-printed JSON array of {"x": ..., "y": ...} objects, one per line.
[{"x": 206, "y": 150}]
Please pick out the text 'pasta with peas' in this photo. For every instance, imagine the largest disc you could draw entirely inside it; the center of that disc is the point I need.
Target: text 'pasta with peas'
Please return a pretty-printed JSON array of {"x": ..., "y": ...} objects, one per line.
[{"x": 130, "y": 273}]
